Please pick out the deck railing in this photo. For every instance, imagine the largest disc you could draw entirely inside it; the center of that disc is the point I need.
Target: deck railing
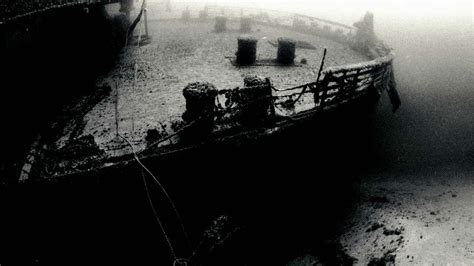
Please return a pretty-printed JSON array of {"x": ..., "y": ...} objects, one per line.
[{"x": 337, "y": 85}]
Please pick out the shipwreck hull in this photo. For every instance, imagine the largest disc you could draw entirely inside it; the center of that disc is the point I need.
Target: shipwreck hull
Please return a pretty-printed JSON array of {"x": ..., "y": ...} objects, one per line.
[
  {"x": 50, "y": 57},
  {"x": 265, "y": 177},
  {"x": 263, "y": 183}
]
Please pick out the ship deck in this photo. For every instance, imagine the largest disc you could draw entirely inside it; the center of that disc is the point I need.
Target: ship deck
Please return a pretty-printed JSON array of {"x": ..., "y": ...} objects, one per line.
[{"x": 180, "y": 53}]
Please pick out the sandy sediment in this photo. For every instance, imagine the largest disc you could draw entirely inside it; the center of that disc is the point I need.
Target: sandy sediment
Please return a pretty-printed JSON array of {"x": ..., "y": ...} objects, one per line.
[{"x": 413, "y": 219}]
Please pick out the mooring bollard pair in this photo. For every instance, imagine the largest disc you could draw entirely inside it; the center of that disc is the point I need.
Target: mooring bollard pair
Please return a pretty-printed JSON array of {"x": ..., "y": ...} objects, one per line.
[
  {"x": 247, "y": 50},
  {"x": 245, "y": 24},
  {"x": 286, "y": 51},
  {"x": 200, "y": 110},
  {"x": 203, "y": 14},
  {"x": 254, "y": 103},
  {"x": 221, "y": 24},
  {"x": 186, "y": 15}
]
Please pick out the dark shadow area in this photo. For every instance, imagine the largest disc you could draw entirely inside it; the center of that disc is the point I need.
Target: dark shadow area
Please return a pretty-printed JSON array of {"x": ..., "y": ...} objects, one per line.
[
  {"x": 283, "y": 195},
  {"x": 47, "y": 60}
]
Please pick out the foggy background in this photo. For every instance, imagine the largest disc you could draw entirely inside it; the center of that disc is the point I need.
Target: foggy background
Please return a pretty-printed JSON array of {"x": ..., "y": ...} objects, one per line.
[{"x": 433, "y": 44}]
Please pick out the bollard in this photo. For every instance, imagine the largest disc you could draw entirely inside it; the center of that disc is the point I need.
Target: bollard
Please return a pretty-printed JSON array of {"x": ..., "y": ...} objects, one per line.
[
  {"x": 247, "y": 50},
  {"x": 186, "y": 15},
  {"x": 200, "y": 109},
  {"x": 256, "y": 101},
  {"x": 245, "y": 24},
  {"x": 221, "y": 24},
  {"x": 286, "y": 51},
  {"x": 200, "y": 100},
  {"x": 299, "y": 24},
  {"x": 203, "y": 15}
]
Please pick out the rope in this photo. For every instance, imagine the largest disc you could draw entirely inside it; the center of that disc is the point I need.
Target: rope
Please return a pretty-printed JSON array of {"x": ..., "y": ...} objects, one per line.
[
  {"x": 290, "y": 89},
  {"x": 222, "y": 110},
  {"x": 180, "y": 261},
  {"x": 177, "y": 132},
  {"x": 134, "y": 83},
  {"x": 317, "y": 80},
  {"x": 158, "y": 218},
  {"x": 135, "y": 22},
  {"x": 178, "y": 216}
]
